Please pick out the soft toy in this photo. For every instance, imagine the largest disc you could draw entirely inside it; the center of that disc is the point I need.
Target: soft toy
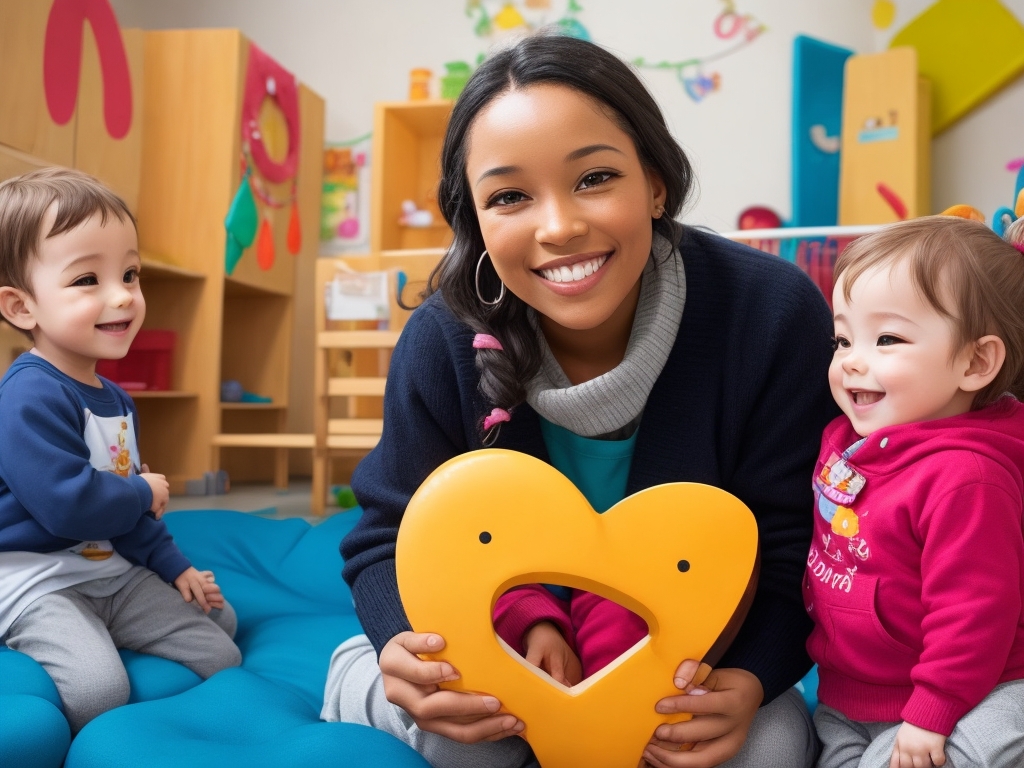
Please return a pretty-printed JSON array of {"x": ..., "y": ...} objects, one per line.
[
  {"x": 964, "y": 212},
  {"x": 680, "y": 555},
  {"x": 1004, "y": 217}
]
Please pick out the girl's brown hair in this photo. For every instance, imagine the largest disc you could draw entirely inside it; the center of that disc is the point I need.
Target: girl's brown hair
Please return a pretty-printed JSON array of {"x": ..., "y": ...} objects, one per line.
[{"x": 967, "y": 273}]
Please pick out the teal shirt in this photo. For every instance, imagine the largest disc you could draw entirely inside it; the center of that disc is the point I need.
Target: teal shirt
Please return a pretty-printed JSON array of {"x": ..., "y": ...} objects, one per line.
[{"x": 599, "y": 468}]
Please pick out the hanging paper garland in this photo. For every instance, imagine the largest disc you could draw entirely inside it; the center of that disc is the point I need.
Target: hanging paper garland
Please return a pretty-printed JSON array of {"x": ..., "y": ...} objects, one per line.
[
  {"x": 264, "y": 78},
  {"x": 728, "y": 25}
]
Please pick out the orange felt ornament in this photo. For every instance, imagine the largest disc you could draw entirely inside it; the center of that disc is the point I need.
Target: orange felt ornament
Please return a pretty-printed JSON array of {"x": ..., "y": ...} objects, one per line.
[
  {"x": 294, "y": 230},
  {"x": 265, "y": 246}
]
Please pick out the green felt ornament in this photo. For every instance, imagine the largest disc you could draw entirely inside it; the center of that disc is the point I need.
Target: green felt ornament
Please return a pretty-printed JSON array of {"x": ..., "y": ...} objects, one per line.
[
  {"x": 241, "y": 223},
  {"x": 233, "y": 251}
]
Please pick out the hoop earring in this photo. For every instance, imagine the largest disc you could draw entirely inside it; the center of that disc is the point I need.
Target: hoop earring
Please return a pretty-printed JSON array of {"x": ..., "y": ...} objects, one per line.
[{"x": 480, "y": 296}]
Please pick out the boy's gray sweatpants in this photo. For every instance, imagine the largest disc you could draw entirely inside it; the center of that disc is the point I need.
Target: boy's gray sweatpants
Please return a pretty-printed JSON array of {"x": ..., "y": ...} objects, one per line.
[
  {"x": 990, "y": 735},
  {"x": 74, "y": 633},
  {"x": 781, "y": 735}
]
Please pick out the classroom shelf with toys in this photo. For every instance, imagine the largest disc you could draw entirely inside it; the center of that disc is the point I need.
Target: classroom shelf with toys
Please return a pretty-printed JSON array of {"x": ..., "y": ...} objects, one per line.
[
  {"x": 195, "y": 85},
  {"x": 813, "y": 249},
  {"x": 407, "y": 139},
  {"x": 178, "y": 167},
  {"x": 406, "y": 151}
]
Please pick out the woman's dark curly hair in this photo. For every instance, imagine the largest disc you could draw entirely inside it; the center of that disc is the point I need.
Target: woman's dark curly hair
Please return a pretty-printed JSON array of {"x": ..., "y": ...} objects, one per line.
[{"x": 590, "y": 70}]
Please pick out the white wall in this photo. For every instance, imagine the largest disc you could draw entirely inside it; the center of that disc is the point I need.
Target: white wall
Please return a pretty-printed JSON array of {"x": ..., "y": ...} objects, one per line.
[{"x": 355, "y": 53}]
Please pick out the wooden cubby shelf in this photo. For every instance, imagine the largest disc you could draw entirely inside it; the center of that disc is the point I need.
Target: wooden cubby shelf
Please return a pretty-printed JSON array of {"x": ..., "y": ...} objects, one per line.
[
  {"x": 177, "y": 168},
  {"x": 236, "y": 326}
]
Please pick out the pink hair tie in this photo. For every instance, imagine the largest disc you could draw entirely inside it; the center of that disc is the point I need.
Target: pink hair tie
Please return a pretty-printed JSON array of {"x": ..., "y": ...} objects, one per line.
[
  {"x": 497, "y": 416},
  {"x": 1019, "y": 246},
  {"x": 486, "y": 341}
]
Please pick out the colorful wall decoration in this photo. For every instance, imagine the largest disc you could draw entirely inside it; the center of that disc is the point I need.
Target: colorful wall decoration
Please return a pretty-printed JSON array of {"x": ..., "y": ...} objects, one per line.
[
  {"x": 345, "y": 211},
  {"x": 968, "y": 49},
  {"x": 496, "y": 20},
  {"x": 740, "y": 29},
  {"x": 62, "y": 62},
  {"x": 262, "y": 172},
  {"x": 886, "y": 139}
]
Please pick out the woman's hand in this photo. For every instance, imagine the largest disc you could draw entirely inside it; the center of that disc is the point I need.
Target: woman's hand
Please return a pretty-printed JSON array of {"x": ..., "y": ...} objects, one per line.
[
  {"x": 413, "y": 684},
  {"x": 546, "y": 648},
  {"x": 916, "y": 748},
  {"x": 723, "y": 707}
]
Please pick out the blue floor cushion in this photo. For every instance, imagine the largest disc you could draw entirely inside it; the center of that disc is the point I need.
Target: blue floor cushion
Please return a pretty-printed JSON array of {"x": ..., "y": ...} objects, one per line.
[
  {"x": 33, "y": 731},
  {"x": 283, "y": 579}
]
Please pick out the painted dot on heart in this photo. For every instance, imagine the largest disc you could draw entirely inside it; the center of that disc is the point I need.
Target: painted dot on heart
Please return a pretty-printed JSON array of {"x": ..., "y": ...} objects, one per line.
[
  {"x": 683, "y": 566},
  {"x": 485, "y": 538}
]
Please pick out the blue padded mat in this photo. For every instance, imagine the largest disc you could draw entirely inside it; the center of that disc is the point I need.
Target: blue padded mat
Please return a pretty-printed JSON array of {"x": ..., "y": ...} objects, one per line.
[{"x": 283, "y": 578}]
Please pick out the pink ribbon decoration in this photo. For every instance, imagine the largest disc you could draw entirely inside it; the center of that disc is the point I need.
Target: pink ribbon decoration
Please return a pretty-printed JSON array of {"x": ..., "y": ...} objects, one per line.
[
  {"x": 62, "y": 62},
  {"x": 497, "y": 416},
  {"x": 264, "y": 78},
  {"x": 486, "y": 341}
]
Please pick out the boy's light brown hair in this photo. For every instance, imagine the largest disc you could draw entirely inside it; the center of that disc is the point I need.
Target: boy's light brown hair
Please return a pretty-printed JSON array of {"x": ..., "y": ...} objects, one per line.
[
  {"x": 967, "y": 273},
  {"x": 24, "y": 201}
]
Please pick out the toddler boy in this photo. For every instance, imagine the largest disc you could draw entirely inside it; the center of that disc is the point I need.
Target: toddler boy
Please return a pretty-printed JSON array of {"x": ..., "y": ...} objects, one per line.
[{"x": 85, "y": 561}]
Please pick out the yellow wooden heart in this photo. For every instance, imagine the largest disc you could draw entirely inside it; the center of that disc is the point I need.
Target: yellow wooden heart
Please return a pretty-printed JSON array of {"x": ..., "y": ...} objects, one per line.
[{"x": 678, "y": 555}]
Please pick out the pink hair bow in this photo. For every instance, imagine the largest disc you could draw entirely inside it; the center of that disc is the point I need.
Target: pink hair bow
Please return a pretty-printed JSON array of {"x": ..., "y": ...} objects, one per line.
[
  {"x": 486, "y": 341},
  {"x": 497, "y": 416}
]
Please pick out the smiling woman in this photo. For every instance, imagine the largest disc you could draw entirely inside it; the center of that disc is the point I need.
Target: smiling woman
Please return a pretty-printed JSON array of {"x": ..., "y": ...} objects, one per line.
[
  {"x": 565, "y": 207},
  {"x": 575, "y": 320}
]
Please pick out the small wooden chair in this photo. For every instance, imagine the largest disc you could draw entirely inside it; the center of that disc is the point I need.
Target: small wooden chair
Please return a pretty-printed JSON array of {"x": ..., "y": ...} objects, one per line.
[
  {"x": 363, "y": 388},
  {"x": 359, "y": 430}
]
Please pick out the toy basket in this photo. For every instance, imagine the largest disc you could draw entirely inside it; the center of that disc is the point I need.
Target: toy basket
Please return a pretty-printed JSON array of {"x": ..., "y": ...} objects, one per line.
[
  {"x": 813, "y": 249},
  {"x": 147, "y": 366}
]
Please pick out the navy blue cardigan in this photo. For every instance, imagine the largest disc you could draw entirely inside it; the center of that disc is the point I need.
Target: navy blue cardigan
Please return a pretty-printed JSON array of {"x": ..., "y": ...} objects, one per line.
[{"x": 741, "y": 405}]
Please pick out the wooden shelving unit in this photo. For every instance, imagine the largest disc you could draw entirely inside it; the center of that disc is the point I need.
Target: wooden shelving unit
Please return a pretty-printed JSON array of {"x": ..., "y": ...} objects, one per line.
[
  {"x": 178, "y": 170},
  {"x": 407, "y": 138},
  {"x": 239, "y": 326}
]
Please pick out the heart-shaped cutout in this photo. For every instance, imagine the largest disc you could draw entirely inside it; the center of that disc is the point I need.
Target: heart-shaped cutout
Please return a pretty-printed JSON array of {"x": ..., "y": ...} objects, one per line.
[
  {"x": 596, "y": 630},
  {"x": 679, "y": 555}
]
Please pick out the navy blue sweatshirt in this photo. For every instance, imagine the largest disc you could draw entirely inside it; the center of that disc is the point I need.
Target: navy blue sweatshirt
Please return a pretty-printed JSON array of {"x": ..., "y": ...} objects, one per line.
[
  {"x": 59, "y": 481},
  {"x": 740, "y": 404}
]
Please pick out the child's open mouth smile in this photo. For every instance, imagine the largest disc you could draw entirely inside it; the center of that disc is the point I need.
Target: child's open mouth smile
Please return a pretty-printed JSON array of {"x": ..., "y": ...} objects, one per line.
[
  {"x": 118, "y": 327},
  {"x": 864, "y": 398}
]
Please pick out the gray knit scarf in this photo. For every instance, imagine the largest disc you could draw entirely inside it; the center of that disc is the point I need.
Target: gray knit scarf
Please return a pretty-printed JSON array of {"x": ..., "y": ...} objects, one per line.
[{"x": 610, "y": 405}]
